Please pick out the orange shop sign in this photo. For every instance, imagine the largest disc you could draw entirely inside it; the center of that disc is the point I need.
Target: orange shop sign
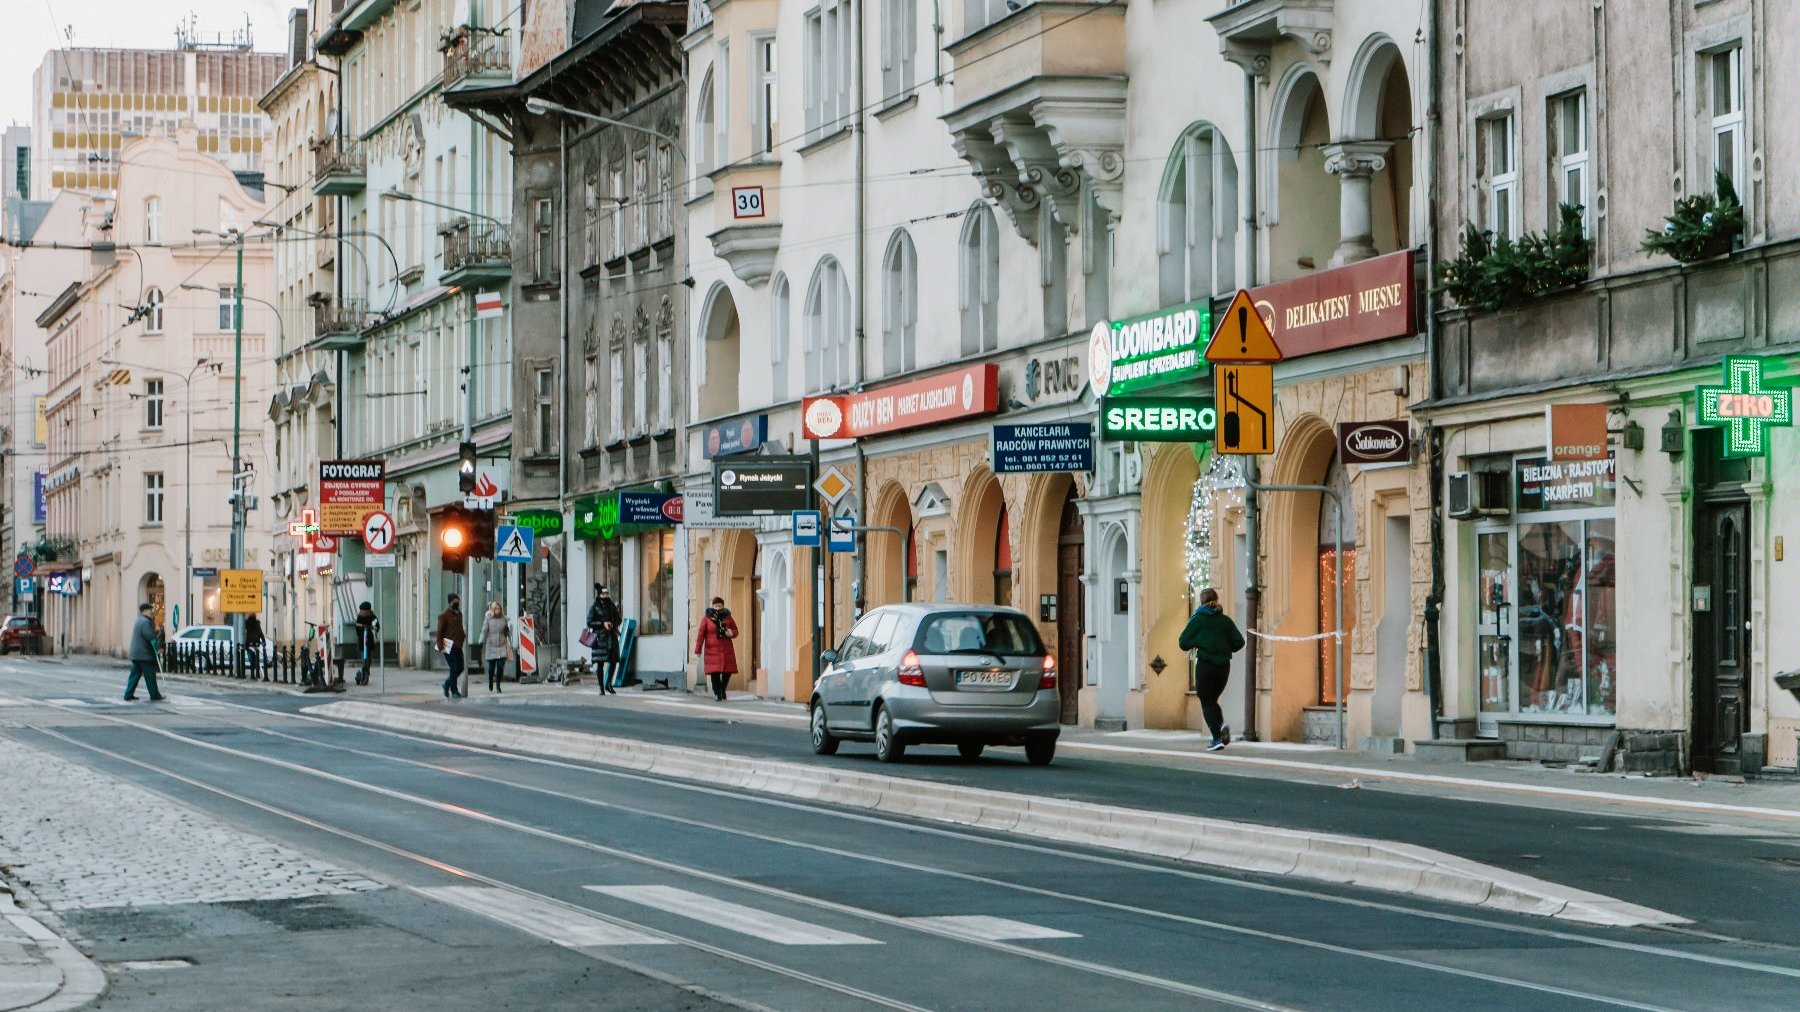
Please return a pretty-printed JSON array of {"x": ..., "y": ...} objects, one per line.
[
  {"x": 1575, "y": 431},
  {"x": 941, "y": 397}
]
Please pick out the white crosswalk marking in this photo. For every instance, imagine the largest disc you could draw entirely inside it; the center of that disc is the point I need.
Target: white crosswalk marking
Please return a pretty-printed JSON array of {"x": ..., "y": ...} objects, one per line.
[
  {"x": 732, "y": 917},
  {"x": 990, "y": 929},
  {"x": 568, "y": 928}
]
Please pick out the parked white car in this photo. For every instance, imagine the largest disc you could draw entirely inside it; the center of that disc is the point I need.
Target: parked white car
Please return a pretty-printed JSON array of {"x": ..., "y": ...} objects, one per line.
[{"x": 209, "y": 644}]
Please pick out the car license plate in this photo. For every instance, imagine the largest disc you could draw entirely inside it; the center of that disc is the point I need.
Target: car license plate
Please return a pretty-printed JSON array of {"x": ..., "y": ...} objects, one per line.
[{"x": 984, "y": 679}]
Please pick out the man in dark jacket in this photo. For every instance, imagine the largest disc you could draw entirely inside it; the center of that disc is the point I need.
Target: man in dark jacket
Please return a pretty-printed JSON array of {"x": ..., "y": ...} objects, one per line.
[
  {"x": 1213, "y": 637},
  {"x": 143, "y": 656},
  {"x": 367, "y": 625},
  {"x": 449, "y": 639}
]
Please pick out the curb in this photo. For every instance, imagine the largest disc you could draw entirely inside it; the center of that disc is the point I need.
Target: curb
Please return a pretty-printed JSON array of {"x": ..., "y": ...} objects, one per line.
[
  {"x": 80, "y": 981},
  {"x": 1264, "y": 850}
]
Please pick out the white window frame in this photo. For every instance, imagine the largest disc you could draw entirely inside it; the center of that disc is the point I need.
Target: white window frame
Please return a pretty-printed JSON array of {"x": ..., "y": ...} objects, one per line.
[
  {"x": 640, "y": 199},
  {"x": 1198, "y": 218},
  {"x": 1727, "y": 127},
  {"x": 153, "y": 404},
  {"x": 704, "y": 128},
  {"x": 153, "y": 230},
  {"x": 616, "y": 179},
  {"x": 590, "y": 401},
  {"x": 827, "y": 328},
  {"x": 543, "y": 415},
  {"x": 640, "y": 388},
  {"x": 1501, "y": 126},
  {"x": 665, "y": 380},
  {"x": 780, "y": 336},
  {"x": 544, "y": 264},
  {"x": 154, "y": 489},
  {"x": 899, "y": 46},
  {"x": 900, "y": 305},
  {"x": 978, "y": 281},
  {"x": 828, "y": 51},
  {"x": 722, "y": 102},
  {"x": 153, "y": 311},
  {"x": 615, "y": 414},
  {"x": 228, "y": 308},
  {"x": 765, "y": 95},
  {"x": 1567, "y": 163}
]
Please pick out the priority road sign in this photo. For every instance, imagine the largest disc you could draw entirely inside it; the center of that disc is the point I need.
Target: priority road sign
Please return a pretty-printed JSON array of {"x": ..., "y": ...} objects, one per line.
[
  {"x": 1246, "y": 399},
  {"x": 1242, "y": 335},
  {"x": 514, "y": 543},
  {"x": 378, "y": 532},
  {"x": 833, "y": 485},
  {"x": 806, "y": 528}
]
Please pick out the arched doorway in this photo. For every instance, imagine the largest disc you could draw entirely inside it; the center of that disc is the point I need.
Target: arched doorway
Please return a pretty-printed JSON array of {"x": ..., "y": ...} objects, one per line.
[
  {"x": 1071, "y": 608},
  {"x": 1298, "y": 580},
  {"x": 1166, "y": 509},
  {"x": 719, "y": 355},
  {"x": 736, "y": 580},
  {"x": 1343, "y": 570},
  {"x": 152, "y": 589},
  {"x": 889, "y": 554},
  {"x": 776, "y": 598},
  {"x": 983, "y": 544}
]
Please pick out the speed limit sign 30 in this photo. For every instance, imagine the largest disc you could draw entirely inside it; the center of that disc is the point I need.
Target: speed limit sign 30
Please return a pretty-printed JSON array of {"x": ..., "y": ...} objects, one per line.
[
  {"x": 747, "y": 202},
  {"x": 378, "y": 532}
]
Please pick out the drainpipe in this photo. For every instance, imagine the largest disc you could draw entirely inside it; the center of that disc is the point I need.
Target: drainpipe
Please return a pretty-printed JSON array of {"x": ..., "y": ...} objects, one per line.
[
  {"x": 1434, "y": 436},
  {"x": 562, "y": 325},
  {"x": 1252, "y": 475},
  {"x": 858, "y": 561}
]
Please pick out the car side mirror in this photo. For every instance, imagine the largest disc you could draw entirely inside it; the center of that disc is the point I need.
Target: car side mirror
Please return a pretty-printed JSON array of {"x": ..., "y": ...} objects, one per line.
[{"x": 828, "y": 656}]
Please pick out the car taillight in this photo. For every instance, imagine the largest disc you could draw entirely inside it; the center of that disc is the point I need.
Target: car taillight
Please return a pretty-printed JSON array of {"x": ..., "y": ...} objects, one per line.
[
  {"x": 1048, "y": 681},
  {"x": 910, "y": 673}
]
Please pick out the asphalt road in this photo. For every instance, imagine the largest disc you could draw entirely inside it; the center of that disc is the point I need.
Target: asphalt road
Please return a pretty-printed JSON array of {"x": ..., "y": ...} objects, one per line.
[{"x": 539, "y": 884}]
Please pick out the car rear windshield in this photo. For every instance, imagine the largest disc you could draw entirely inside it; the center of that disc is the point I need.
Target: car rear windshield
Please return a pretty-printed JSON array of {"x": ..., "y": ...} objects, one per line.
[
  {"x": 18, "y": 623},
  {"x": 973, "y": 632}
]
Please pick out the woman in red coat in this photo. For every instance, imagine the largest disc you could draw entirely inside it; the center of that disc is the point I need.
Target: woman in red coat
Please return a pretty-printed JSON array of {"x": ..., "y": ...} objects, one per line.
[{"x": 713, "y": 647}]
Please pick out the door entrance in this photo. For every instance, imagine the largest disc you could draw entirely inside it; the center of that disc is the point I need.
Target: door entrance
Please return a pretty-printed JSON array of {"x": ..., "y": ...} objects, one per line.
[
  {"x": 1071, "y": 611},
  {"x": 1721, "y": 606}
]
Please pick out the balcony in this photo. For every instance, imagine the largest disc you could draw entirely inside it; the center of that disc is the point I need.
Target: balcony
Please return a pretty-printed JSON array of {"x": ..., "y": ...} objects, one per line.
[
  {"x": 338, "y": 326},
  {"x": 1248, "y": 29},
  {"x": 475, "y": 60},
  {"x": 746, "y": 197},
  {"x": 339, "y": 167},
  {"x": 476, "y": 255},
  {"x": 335, "y": 39},
  {"x": 1038, "y": 112}
]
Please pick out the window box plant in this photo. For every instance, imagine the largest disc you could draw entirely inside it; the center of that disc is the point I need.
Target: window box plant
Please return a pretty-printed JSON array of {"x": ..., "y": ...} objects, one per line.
[
  {"x": 1491, "y": 274},
  {"x": 1703, "y": 226}
]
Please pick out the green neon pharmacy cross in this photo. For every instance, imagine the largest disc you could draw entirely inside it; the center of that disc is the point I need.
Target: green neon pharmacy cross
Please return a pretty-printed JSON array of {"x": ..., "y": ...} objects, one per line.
[{"x": 1744, "y": 407}]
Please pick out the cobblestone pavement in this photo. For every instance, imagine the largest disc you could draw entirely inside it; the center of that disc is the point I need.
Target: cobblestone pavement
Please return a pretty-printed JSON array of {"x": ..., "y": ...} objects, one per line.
[{"x": 81, "y": 840}]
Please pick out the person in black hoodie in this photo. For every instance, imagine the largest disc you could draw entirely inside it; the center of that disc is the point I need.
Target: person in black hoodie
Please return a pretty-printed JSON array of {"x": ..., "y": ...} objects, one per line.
[
  {"x": 604, "y": 619},
  {"x": 1213, "y": 637},
  {"x": 367, "y": 625}
]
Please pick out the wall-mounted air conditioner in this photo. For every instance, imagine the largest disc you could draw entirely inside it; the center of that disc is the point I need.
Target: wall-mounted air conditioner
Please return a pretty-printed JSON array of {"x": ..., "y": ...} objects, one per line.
[{"x": 1473, "y": 494}]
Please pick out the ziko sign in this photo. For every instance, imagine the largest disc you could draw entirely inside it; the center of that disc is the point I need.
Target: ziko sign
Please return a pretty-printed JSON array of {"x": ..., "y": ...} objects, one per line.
[
  {"x": 1168, "y": 344},
  {"x": 1159, "y": 419},
  {"x": 348, "y": 491},
  {"x": 1374, "y": 442}
]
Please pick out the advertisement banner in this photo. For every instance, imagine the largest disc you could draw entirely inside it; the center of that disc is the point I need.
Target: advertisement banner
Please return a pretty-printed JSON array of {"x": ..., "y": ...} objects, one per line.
[
  {"x": 597, "y": 518},
  {"x": 1147, "y": 350},
  {"x": 741, "y": 436},
  {"x": 1575, "y": 431},
  {"x": 1374, "y": 442},
  {"x": 1544, "y": 484},
  {"x": 654, "y": 509},
  {"x": 943, "y": 397},
  {"x": 1053, "y": 446},
  {"x": 1370, "y": 300},
  {"x": 350, "y": 490},
  {"x": 1159, "y": 419},
  {"x": 40, "y": 507},
  {"x": 757, "y": 486}
]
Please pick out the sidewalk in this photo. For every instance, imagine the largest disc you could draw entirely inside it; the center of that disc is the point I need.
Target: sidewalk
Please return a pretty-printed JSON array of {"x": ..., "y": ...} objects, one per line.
[
  {"x": 1702, "y": 800},
  {"x": 39, "y": 969}
]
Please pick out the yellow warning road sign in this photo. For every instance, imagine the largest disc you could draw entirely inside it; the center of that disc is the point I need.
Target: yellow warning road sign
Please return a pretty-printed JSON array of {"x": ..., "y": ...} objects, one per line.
[
  {"x": 1245, "y": 395},
  {"x": 1242, "y": 335}
]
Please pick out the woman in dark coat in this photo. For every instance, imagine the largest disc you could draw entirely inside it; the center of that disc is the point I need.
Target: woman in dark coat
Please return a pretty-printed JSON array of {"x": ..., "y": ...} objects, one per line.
[
  {"x": 714, "y": 648},
  {"x": 603, "y": 618}
]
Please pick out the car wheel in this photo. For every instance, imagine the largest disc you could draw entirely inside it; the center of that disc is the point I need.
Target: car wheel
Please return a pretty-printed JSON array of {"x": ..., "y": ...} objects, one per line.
[
  {"x": 888, "y": 747},
  {"x": 823, "y": 743},
  {"x": 1040, "y": 751},
  {"x": 970, "y": 750}
]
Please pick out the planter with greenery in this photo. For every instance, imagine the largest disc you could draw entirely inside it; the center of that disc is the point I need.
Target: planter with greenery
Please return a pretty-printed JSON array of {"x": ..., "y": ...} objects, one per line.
[
  {"x": 1703, "y": 226},
  {"x": 1491, "y": 274}
]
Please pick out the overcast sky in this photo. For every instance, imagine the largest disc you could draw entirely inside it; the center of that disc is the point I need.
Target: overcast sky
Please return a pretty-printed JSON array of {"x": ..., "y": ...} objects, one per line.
[{"x": 34, "y": 27}]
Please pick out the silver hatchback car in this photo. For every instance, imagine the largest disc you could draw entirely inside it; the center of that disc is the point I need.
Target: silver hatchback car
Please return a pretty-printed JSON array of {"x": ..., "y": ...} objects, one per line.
[{"x": 953, "y": 674}]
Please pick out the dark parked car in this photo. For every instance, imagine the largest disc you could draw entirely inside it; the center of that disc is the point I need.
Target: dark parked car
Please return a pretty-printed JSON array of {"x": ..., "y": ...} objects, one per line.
[
  {"x": 23, "y": 633},
  {"x": 952, "y": 674}
]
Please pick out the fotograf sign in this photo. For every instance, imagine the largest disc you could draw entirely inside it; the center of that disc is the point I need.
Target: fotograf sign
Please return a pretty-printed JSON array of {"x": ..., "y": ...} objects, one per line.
[
  {"x": 1159, "y": 419},
  {"x": 650, "y": 508},
  {"x": 1157, "y": 347},
  {"x": 756, "y": 486},
  {"x": 348, "y": 491},
  {"x": 1374, "y": 442},
  {"x": 1052, "y": 446}
]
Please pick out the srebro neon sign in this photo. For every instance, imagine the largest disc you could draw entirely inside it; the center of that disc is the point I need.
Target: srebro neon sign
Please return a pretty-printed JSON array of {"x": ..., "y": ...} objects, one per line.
[
  {"x": 1159, "y": 419},
  {"x": 1744, "y": 407}
]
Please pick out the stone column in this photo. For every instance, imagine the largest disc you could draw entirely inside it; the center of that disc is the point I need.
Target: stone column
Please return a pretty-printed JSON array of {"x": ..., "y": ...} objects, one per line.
[{"x": 1354, "y": 163}]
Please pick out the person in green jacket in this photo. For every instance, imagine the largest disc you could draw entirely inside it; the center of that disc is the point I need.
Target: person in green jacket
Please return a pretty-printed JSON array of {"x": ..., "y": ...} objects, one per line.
[{"x": 1213, "y": 637}]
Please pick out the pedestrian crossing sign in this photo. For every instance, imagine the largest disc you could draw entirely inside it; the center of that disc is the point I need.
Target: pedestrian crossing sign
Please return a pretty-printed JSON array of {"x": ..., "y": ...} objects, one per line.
[{"x": 515, "y": 544}]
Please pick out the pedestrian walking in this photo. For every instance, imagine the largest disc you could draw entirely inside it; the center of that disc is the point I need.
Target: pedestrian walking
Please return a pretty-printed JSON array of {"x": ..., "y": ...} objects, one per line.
[
  {"x": 367, "y": 626},
  {"x": 253, "y": 643},
  {"x": 143, "y": 656},
  {"x": 1213, "y": 637},
  {"x": 713, "y": 646},
  {"x": 496, "y": 644},
  {"x": 450, "y": 639},
  {"x": 602, "y": 639}
]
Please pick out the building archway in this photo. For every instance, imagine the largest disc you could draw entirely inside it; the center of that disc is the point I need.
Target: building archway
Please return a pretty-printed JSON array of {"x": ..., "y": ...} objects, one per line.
[
  {"x": 718, "y": 354},
  {"x": 1113, "y": 617},
  {"x": 1051, "y": 559},
  {"x": 152, "y": 589},
  {"x": 1166, "y": 503},
  {"x": 1293, "y": 602},
  {"x": 891, "y": 565},
  {"x": 1378, "y": 106},
  {"x": 983, "y": 542},
  {"x": 1303, "y": 204},
  {"x": 734, "y": 577},
  {"x": 776, "y": 601}
]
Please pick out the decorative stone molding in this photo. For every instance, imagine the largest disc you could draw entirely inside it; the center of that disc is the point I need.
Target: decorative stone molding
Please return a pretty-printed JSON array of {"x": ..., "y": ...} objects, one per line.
[
  {"x": 749, "y": 249},
  {"x": 1356, "y": 158},
  {"x": 1250, "y": 29}
]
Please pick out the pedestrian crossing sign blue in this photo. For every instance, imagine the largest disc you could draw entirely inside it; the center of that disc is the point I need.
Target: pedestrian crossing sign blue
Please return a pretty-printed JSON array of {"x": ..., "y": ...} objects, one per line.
[{"x": 513, "y": 544}]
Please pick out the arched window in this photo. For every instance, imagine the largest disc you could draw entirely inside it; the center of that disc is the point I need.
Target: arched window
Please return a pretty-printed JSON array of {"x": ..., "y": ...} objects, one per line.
[
  {"x": 153, "y": 231},
  {"x": 899, "y": 305},
  {"x": 153, "y": 311},
  {"x": 827, "y": 328},
  {"x": 1197, "y": 218},
  {"x": 980, "y": 281},
  {"x": 779, "y": 335},
  {"x": 703, "y": 125}
]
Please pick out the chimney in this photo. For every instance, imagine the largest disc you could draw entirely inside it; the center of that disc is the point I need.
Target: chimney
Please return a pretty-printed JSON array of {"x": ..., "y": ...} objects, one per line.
[{"x": 297, "y": 37}]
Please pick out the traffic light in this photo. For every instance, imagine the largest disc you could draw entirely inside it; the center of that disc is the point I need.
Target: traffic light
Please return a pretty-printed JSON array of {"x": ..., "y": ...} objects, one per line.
[
  {"x": 482, "y": 524},
  {"x": 454, "y": 537},
  {"x": 465, "y": 467}
]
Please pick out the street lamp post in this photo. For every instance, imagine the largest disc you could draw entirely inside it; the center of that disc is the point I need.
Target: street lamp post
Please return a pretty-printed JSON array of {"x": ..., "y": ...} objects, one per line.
[{"x": 542, "y": 107}]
